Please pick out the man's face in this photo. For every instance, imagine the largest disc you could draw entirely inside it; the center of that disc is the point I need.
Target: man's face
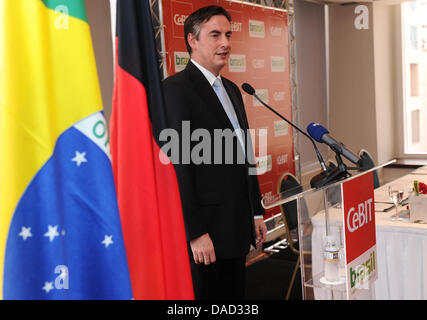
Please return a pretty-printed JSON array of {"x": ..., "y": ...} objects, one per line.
[{"x": 212, "y": 48}]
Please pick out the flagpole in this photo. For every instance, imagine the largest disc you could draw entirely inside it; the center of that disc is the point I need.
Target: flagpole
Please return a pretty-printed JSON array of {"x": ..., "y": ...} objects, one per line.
[{"x": 113, "y": 8}]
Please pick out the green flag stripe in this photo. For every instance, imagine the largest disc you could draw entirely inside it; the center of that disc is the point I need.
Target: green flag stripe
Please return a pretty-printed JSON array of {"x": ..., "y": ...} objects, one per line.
[{"x": 74, "y": 8}]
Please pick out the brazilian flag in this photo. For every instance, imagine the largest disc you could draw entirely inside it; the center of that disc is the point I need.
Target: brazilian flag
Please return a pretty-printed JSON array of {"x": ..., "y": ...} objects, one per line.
[{"x": 60, "y": 229}]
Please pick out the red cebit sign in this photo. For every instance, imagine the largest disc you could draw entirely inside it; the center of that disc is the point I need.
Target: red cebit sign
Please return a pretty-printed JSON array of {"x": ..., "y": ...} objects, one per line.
[
  {"x": 359, "y": 215},
  {"x": 180, "y": 11}
]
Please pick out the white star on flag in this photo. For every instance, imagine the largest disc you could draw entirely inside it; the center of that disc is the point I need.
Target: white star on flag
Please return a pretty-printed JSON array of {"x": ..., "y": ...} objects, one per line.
[
  {"x": 79, "y": 158},
  {"x": 107, "y": 241},
  {"x": 52, "y": 233},
  {"x": 25, "y": 233},
  {"x": 47, "y": 286}
]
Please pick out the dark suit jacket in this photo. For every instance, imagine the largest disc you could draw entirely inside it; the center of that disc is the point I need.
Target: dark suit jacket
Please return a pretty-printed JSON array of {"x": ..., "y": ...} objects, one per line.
[{"x": 219, "y": 199}]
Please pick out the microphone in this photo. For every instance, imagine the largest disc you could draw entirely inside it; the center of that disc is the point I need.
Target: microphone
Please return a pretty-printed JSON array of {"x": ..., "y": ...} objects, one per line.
[
  {"x": 321, "y": 134},
  {"x": 251, "y": 91},
  {"x": 248, "y": 89}
]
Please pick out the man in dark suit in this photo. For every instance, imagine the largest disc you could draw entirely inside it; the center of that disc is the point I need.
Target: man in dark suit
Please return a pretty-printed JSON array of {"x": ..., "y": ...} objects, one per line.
[{"x": 220, "y": 199}]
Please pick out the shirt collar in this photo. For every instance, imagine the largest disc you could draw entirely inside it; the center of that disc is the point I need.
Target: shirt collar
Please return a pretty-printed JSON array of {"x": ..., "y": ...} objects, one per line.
[{"x": 208, "y": 75}]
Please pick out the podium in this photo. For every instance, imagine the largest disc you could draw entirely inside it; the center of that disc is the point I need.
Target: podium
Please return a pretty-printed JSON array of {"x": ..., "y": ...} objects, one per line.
[{"x": 345, "y": 212}]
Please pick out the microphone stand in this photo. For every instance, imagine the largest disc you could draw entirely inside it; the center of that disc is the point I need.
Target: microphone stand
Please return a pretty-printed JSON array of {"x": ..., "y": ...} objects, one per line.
[
  {"x": 334, "y": 173},
  {"x": 329, "y": 173},
  {"x": 319, "y": 156}
]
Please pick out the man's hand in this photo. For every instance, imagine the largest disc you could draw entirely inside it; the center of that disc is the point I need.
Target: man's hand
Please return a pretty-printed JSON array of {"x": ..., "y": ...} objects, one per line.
[
  {"x": 203, "y": 249},
  {"x": 260, "y": 231}
]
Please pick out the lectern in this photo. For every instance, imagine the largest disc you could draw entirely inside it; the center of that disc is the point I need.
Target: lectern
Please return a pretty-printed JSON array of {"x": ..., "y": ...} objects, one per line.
[{"x": 345, "y": 212}]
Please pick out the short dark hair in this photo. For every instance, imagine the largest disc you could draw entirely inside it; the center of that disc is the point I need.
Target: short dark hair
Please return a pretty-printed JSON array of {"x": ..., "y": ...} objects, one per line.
[{"x": 194, "y": 20}]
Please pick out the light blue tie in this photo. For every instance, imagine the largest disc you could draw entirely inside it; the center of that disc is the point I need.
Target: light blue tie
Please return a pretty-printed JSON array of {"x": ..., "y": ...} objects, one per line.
[{"x": 228, "y": 108}]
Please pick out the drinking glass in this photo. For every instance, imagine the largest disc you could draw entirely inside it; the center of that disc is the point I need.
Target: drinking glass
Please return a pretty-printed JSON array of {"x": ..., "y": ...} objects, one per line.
[{"x": 396, "y": 195}]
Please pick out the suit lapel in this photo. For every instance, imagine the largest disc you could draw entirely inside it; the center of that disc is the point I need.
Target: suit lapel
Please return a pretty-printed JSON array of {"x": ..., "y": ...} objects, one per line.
[
  {"x": 243, "y": 122},
  {"x": 238, "y": 107},
  {"x": 240, "y": 112}
]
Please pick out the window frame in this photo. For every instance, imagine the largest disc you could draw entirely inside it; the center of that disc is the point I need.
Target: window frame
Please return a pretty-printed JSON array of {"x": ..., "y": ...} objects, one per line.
[{"x": 405, "y": 102}]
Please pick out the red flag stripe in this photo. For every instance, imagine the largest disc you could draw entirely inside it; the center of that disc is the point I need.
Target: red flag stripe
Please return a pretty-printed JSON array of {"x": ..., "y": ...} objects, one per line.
[{"x": 148, "y": 197}]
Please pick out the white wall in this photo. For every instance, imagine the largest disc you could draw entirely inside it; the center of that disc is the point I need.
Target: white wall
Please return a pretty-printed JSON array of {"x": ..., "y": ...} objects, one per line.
[
  {"x": 358, "y": 107},
  {"x": 352, "y": 117},
  {"x": 311, "y": 77},
  {"x": 385, "y": 84},
  {"x": 363, "y": 85}
]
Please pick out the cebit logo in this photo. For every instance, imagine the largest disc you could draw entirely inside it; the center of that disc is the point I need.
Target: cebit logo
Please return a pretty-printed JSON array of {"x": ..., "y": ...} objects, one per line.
[
  {"x": 279, "y": 95},
  {"x": 276, "y": 31},
  {"x": 179, "y": 19},
  {"x": 282, "y": 159},
  {"x": 358, "y": 217},
  {"x": 258, "y": 63},
  {"x": 268, "y": 196}
]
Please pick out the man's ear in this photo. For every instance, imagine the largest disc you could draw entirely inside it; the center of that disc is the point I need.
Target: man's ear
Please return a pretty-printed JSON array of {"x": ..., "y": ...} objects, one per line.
[{"x": 191, "y": 38}]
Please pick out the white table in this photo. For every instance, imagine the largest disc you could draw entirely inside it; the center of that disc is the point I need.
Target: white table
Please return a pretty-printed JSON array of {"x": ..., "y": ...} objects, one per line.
[
  {"x": 401, "y": 246},
  {"x": 421, "y": 171}
]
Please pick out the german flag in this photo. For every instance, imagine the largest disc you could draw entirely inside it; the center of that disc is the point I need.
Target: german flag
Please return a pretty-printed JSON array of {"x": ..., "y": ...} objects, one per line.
[{"x": 148, "y": 194}]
